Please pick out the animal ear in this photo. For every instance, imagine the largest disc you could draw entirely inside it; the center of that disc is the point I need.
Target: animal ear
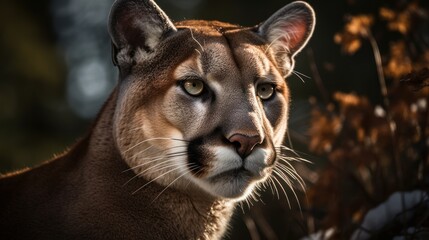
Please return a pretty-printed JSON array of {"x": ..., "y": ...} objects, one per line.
[
  {"x": 138, "y": 23},
  {"x": 288, "y": 30}
]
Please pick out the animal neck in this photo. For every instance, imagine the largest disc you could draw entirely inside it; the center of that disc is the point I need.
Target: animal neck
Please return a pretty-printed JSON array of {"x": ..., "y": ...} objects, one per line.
[{"x": 194, "y": 213}]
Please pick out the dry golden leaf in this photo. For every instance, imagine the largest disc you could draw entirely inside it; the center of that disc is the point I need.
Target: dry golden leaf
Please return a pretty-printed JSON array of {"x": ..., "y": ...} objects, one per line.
[
  {"x": 358, "y": 25},
  {"x": 399, "y": 62},
  {"x": 387, "y": 14},
  {"x": 356, "y": 29}
]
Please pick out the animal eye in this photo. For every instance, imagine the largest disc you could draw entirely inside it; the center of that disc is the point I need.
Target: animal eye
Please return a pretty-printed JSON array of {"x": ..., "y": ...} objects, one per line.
[
  {"x": 265, "y": 91},
  {"x": 193, "y": 87}
]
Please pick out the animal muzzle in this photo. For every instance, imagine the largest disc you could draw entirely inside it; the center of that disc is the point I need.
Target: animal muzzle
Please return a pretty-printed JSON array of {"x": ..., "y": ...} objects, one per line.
[{"x": 245, "y": 144}]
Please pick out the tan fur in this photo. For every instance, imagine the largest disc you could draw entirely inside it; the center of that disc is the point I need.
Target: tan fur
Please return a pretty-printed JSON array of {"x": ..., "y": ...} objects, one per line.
[{"x": 160, "y": 163}]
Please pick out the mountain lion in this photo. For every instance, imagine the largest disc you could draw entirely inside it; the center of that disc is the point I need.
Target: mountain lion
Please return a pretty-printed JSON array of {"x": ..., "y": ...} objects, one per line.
[{"x": 196, "y": 122}]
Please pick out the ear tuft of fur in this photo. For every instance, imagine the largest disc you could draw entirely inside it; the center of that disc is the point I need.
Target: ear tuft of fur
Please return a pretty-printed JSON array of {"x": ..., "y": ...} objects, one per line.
[{"x": 288, "y": 30}]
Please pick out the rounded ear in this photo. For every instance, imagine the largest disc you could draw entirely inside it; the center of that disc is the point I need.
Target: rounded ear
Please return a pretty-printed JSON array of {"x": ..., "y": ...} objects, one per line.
[
  {"x": 138, "y": 23},
  {"x": 288, "y": 30}
]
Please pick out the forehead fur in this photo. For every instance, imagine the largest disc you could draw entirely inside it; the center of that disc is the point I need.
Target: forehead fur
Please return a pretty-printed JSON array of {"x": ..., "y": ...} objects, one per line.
[
  {"x": 224, "y": 40},
  {"x": 208, "y": 27},
  {"x": 230, "y": 31}
]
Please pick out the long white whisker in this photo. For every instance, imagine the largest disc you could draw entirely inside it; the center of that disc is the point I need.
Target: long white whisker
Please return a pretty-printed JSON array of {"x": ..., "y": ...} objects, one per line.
[
  {"x": 189, "y": 181},
  {"x": 186, "y": 172},
  {"x": 162, "y": 165},
  {"x": 149, "y": 157},
  {"x": 145, "y": 163},
  {"x": 297, "y": 158},
  {"x": 174, "y": 169},
  {"x": 292, "y": 173},
  {"x": 152, "y": 139},
  {"x": 281, "y": 186},
  {"x": 302, "y": 80},
  {"x": 302, "y": 74},
  {"x": 283, "y": 147},
  {"x": 154, "y": 159},
  {"x": 129, "y": 131},
  {"x": 286, "y": 179},
  {"x": 199, "y": 44},
  {"x": 272, "y": 184},
  {"x": 287, "y": 166}
]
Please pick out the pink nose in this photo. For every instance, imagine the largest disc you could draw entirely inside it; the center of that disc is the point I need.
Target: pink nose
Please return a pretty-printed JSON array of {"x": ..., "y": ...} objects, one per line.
[{"x": 244, "y": 144}]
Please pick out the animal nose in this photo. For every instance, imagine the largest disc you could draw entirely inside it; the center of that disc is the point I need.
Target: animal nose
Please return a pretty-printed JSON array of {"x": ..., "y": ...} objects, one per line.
[{"x": 244, "y": 144}]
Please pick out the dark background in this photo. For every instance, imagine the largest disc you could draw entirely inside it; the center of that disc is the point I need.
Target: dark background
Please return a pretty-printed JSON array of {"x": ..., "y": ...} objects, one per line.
[{"x": 56, "y": 71}]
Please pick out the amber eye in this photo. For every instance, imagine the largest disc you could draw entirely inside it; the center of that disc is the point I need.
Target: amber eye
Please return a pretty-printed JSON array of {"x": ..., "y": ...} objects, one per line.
[
  {"x": 265, "y": 91},
  {"x": 193, "y": 86}
]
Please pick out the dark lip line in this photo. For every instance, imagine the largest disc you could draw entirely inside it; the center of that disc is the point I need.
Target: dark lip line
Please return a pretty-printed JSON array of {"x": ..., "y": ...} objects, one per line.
[{"x": 234, "y": 174}]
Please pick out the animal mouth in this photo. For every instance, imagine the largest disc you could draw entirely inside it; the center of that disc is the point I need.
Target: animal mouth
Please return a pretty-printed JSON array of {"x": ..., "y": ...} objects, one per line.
[{"x": 235, "y": 174}]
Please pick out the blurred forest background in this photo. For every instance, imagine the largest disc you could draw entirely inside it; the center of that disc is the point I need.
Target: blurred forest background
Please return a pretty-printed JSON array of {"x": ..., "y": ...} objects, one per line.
[{"x": 359, "y": 105}]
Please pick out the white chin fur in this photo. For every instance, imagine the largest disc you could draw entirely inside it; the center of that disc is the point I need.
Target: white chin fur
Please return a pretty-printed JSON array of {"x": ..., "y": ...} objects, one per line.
[{"x": 221, "y": 182}]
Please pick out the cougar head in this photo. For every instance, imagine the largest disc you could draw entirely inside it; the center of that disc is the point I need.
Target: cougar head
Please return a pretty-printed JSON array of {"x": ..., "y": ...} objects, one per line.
[{"x": 203, "y": 102}]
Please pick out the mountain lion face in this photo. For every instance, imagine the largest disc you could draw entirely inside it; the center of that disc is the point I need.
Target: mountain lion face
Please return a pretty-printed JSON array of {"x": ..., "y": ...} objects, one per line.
[{"x": 203, "y": 103}]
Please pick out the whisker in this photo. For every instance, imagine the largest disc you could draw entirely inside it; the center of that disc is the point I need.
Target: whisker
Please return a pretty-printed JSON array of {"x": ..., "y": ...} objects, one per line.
[
  {"x": 302, "y": 80},
  {"x": 286, "y": 179},
  {"x": 130, "y": 130},
  {"x": 149, "y": 157},
  {"x": 289, "y": 168},
  {"x": 176, "y": 154},
  {"x": 189, "y": 181},
  {"x": 292, "y": 173},
  {"x": 156, "y": 158},
  {"x": 288, "y": 165},
  {"x": 292, "y": 158},
  {"x": 289, "y": 139},
  {"x": 302, "y": 74},
  {"x": 199, "y": 44},
  {"x": 281, "y": 186},
  {"x": 272, "y": 184},
  {"x": 162, "y": 165},
  {"x": 186, "y": 172},
  {"x": 295, "y": 152},
  {"x": 167, "y": 159},
  {"x": 152, "y": 159},
  {"x": 144, "y": 141},
  {"x": 174, "y": 169},
  {"x": 152, "y": 139}
]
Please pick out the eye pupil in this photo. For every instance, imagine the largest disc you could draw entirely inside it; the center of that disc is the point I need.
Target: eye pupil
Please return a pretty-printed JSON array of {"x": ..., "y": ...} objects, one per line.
[
  {"x": 193, "y": 87},
  {"x": 265, "y": 91}
]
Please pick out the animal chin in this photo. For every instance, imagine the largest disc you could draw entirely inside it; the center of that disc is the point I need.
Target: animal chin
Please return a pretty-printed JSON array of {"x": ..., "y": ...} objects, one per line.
[
  {"x": 234, "y": 184},
  {"x": 239, "y": 174},
  {"x": 227, "y": 175}
]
